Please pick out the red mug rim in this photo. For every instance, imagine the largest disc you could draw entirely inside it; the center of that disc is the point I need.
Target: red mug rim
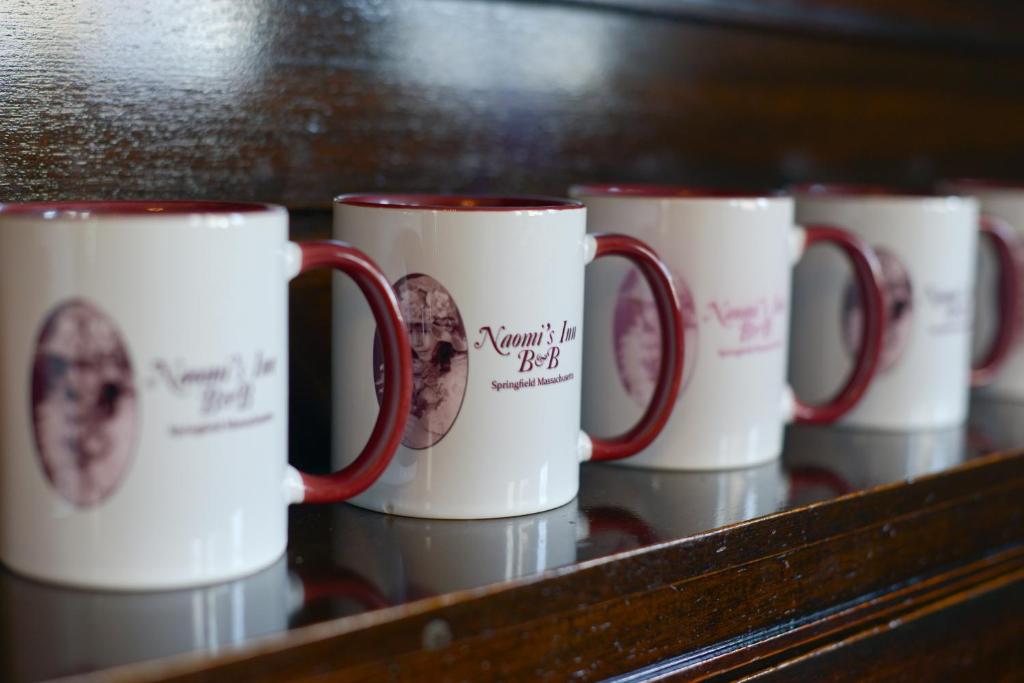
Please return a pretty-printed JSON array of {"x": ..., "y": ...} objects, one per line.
[
  {"x": 981, "y": 184},
  {"x": 661, "y": 191},
  {"x": 458, "y": 202},
  {"x": 842, "y": 190},
  {"x": 173, "y": 207}
]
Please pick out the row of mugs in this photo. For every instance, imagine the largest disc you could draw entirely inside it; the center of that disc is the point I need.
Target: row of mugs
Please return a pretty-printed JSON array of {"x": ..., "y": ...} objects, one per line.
[{"x": 143, "y": 371}]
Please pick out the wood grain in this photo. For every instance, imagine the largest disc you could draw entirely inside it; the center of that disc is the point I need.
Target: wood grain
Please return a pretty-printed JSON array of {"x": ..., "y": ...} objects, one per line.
[
  {"x": 790, "y": 651},
  {"x": 974, "y": 635}
]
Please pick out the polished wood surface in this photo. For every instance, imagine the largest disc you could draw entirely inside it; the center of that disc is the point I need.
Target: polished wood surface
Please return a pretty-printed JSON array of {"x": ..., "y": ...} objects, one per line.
[
  {"x": 297, "y": 102},
  {"x": 960, "y": 625},
  {"x": 944, "y": 24},
  {"x": 824, "y": 591}
]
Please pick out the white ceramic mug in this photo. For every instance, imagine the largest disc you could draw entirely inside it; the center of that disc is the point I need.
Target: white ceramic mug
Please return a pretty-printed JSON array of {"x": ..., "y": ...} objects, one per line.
[
  {"x": 670, "y": 504},
  {"x": 731, "y": 255},
  {"x": 999, "y": 201},
  {"x": 143, "y": 389},
  {"x": 927, "y": 246},
  {"x": 492, "y": 290}
]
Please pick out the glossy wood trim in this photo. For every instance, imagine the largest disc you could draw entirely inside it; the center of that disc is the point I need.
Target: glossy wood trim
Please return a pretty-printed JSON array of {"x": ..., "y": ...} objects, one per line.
[
  {"x": 825, "y": 568},
  {"x": 973, "y": 635},
  {"x": 775, "y": 650},
  {"x": 980, "y": 26}
]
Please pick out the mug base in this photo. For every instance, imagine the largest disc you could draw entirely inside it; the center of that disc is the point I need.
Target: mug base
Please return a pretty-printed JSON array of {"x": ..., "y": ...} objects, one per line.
[
  {"x": 455, "y": 512},
  {"x": 689, "y": 464}
]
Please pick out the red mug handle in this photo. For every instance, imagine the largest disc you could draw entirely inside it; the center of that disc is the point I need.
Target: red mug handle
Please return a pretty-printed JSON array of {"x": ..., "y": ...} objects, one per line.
[
  {"x": 358, "y": 475},
  {"x": 670, "y": 373},
  {"x": 1008, "y": 250},
  {"x": 868, "y": 274}
]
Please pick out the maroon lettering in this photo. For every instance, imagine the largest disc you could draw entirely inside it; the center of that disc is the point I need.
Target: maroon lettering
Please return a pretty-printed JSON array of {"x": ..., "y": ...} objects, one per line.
[
  {"x": 535, "y": 351},
  {"x": 727, "y": 314},
  {"x": 217, "y": 387},
  {"x": 216, "y": 400},
  {"x": 751, "y": 329},
  {"x": 757, "y": 325},
  {"x": 195, "y": 376},
  {"x": 488, "y": 334},
  {"x": 502, "y": 341}
]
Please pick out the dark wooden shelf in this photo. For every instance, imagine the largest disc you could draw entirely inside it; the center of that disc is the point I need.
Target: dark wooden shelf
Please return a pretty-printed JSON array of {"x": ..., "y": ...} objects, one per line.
[{"x": 632, "y": 580}]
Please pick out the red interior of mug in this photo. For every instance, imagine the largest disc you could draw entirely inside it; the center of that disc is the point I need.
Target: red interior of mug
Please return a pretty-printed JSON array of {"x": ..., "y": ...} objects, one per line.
[
  {"x": 131, "y": 207},
  {"x": 445, "y": 202},
  {"x": 983, "y": 184},
  {"x": 668, "y": 191},
  {"x": 858, "y": 190}
]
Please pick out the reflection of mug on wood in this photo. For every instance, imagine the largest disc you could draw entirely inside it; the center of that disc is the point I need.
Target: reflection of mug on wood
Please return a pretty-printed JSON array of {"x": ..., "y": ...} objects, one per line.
[
  {"x": 152, "y": 343},
  {"x": 663, "y": 505},
  {"x": 54, "y": 631},
  {"x": 411, "y": 558},
  {"x": 863, "y": 459}
]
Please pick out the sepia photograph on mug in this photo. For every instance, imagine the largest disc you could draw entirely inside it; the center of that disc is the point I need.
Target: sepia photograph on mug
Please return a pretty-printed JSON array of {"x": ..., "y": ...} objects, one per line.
[
  {"x": 440, "y": 360},
  {"x": 84, "y": 403}
]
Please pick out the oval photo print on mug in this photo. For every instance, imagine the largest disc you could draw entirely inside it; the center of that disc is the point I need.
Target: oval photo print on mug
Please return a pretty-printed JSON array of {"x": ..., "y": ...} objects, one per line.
[
  {"x": 440, "y": 359},
  {"x": 636, "y": 335},
  {"x": 84, "y": 403},
  {"x": 899, "y": 311}
]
